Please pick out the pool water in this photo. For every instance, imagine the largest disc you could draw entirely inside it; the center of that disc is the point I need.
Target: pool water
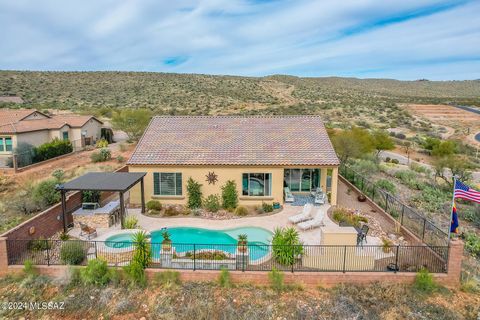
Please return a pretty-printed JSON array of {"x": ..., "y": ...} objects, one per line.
[{"x": 187, "y": 239}]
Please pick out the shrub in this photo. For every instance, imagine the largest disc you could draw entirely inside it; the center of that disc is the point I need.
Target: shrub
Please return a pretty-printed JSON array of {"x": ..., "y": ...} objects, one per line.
[
  {"x": 154, "y": 205},
  {"x": 472, "y": 244},
  {"x": 409, "y": 178},
  {"x": 72, "y": 252},
  {"x": 267, "y": 207},
  {"x": 96, "y": 273},
  {"x": 342, "y": 215},
  {"x": 386, "y": 185},
  {"x": 142, "y": 253},
  {"x": 194, "y": 194},
  {"x": 365, "y": 167},
  {"x": 241, "y": 211},
  {"x": 424, "y": 282},
  {"x": 29, "y": 268},
  {"x": 388, "y": 159},
  {"x": 58, "y": 174},
  {"x": 171, "y": 211},
  {"x": 120, "y": 159},
  {"x": 102, "y": 143},
  {"x": 64, "y": 236},
  {"x": 25, "y": 154},
  {"x": 45, "y": 194},
  {"x": 276, "y": 280},
  {"x": 229, "y": 195},
  {"x": 286, "y": 245},
  {"x": 224, "y": 279},
  {"x": 39, "y": 244},
  {"x": 135, "y": 274},
  {"x": 395, "y": 161},
  {"x": 91, "y": 196},
  {"x": 103, "y": 155},
  {"x": 52, "y": 149},
  {"x": 168, "y": 278},
  {"x": 130, "y": 222},
  {"x": 212, "y": 203}
]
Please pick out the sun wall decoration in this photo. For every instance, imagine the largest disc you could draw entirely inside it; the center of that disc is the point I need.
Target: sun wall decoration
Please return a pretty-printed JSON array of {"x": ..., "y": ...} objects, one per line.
[{"x": 211, "y": 177}]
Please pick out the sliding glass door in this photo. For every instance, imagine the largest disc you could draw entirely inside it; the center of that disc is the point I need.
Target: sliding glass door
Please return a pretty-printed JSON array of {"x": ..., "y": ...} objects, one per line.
[{"x": 301, "y": 180}]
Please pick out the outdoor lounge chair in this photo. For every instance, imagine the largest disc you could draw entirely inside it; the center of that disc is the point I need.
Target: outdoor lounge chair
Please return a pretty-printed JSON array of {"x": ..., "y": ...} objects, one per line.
[
  {"x": 87, "y": 231},
  {"x": 305, "y": 215},
  {"x": 288, "y": 195},
  {"x": 316, "y": 222}
]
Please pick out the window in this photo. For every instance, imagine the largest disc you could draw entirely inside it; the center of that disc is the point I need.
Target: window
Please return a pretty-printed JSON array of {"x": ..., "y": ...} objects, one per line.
[
  {"x": 65, "y": 135},
  {"x": 301, "y": 180},
  {"x": 257, "y": 184},
  {"x": 167, "y": 183},
  {"x": 6, "y": 144}
]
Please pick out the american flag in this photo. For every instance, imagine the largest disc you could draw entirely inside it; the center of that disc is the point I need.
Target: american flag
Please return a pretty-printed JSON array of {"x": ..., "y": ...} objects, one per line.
[{"x": 462, "y": 191}]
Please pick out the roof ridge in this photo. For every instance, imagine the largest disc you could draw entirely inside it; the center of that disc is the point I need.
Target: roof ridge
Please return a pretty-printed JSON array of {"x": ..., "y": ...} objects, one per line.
[{"x": 242, "y": 116}]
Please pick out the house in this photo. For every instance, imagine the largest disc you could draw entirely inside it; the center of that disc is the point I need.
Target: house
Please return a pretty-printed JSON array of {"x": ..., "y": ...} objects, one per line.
[
  {"x": 35, "y": 128},
  {"x": 262, "y": 154}
]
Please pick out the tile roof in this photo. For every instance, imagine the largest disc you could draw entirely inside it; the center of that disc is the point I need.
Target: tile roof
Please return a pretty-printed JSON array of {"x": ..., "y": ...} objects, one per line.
[
  {"x": 229, "y": 140},
  {"x": 31, "y": 125},
  {"x": 14, "y": 115},
  {"x": 74, "y": 120}
]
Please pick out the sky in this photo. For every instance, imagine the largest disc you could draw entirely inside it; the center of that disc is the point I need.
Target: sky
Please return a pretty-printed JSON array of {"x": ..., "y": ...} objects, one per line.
[{"x": 400, "y": 39}]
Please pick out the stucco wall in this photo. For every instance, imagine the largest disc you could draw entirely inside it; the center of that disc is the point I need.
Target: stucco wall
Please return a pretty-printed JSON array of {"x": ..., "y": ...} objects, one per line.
[
  {"x": 35, "y": 115},
  {"x": 35, "y": 138},
  {"x": 92, "y": 127},
  {"x": 198, "y": 173}
]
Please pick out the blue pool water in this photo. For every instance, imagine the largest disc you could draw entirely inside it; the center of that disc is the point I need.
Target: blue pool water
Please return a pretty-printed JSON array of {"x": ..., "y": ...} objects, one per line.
[{"x": 186, "y": 239}]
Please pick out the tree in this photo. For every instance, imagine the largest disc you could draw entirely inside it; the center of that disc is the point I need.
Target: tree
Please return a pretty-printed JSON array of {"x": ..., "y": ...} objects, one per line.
[
  {"x": 459, "y": 166},
  {"x": 132, "y": 121},
  {"x": 444, "y": 148},
  {"x": 382, "y": 141},
  {"x": 352, "y": 143},
  {"x": 407, "y": 147}
]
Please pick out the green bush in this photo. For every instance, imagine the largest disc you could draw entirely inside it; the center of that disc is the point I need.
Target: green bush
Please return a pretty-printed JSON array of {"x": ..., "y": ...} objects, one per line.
[
  {"x": 142, "y": 253},
  {"x": 103, "y": 155},
  {"x": 342, "y": 215},
  {"x": 130, "y": 222},
  {"x": 276, "y": 280},
  {"x": 224, "y": 279},
  {"x": 365, "y": 167},
  {"x": 472, "y": 244},
  {"x": 229, "y": 195},
  {"x": 91, "y": 196},
  {"x": 64, "y": 236},
  {"x": 29, "y": 268},
  {"x": 58, "y": 174},
  {"x": 386, "y": 185},
  {"x": 72, "y": 252},
  {"x": 194, "y": 194},
  {"x": 241, "y": 211},
  {"x": 212, "y": 203},
  {"x": 45, "y": 194},
  {"x": 395, "y": 161},
  {"x": 424, "y": 282},
  {"x": 267, "y": 207},
  {"x": 154, "y": 205},
  {"x": 135, "y": 274},
  {"x": 102, "y": 143},
  {"x": 286, "y": 245},
  {"x": 52, "y": 149},
  {"x": 39, "y": 244},
  {"x": 168, "y": 278},
  {"x": 431, "y": 199},
  {"x": 96, "y": 272},
  {"x": 409, "y": 178}
]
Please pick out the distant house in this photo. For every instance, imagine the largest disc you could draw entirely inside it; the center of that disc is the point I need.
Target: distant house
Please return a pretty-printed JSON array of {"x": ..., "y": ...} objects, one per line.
[
  {"x": 263, "y": 155},
  {"x": 35, "y": 128}
]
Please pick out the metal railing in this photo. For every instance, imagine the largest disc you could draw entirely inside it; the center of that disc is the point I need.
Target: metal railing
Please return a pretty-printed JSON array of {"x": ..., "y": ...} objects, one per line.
[
  {"x": 408, "y": 217},
  {"x": 251, "y": 257}
]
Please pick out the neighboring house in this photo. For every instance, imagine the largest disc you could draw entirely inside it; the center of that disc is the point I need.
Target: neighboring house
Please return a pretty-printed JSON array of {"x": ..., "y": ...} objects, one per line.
[
  {"x": 35, "y": 128},
  {"x": 262, "y": 154}
]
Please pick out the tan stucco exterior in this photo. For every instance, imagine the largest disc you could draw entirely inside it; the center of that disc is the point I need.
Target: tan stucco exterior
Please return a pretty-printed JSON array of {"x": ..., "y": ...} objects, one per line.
[
  {"x": 224, "y": 173},
  {"x": 92, "y": 129}
]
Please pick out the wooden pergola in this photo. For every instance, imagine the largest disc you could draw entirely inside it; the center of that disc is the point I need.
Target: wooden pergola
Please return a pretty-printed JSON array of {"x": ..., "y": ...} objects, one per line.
[{"x": 119, "y": 182}]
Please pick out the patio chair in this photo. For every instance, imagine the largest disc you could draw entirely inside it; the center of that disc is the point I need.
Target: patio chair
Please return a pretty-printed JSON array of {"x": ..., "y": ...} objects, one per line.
[
  {"x": 320, "y": 198},
  {"x": 288, "y": 195},
  {"x": 87, "y": 231},
  {"x": 316, "y": 222},
  {"x": 305, "y": 215},
  {"x": 362, "y": 234}
]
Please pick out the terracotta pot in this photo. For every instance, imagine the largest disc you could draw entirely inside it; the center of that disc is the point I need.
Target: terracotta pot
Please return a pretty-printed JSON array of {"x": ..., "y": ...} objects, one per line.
[{"x": 362, "y": 198}]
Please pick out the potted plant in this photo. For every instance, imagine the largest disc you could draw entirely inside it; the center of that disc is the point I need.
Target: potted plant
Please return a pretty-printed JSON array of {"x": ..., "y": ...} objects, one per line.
[
  {"x": 362, "y": 198},
  {"x": 167, "y": 242},
  {"x": 276, "y": 205},
  {"x": 242, "y": 242}
]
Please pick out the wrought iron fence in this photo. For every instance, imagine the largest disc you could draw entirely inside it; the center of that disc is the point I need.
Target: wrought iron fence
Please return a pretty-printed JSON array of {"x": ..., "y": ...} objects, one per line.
[
  {"x": 251, "y": 257},
  {"x": 408, "y": 217}
]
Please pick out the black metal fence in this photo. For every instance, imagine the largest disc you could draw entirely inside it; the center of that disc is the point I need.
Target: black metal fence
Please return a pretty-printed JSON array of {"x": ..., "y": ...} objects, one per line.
[
  {"x": 408, "y": 217},
  {"x": 252, "y": 257}
]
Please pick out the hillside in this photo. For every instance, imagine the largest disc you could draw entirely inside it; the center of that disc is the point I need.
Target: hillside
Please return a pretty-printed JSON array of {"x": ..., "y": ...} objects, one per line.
[{"x": 335, "y": 98}]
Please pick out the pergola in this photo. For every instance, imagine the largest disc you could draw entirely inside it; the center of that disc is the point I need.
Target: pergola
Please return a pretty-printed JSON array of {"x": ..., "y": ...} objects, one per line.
[{"x": 119, "y": 182}]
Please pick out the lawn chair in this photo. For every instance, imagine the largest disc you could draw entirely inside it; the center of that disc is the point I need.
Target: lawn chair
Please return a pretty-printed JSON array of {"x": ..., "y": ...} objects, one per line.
[
  {"x": 288, "y": 195},
  {"x": 316, "y": 222},
  {"x": 320, "y": 198},
  {"x": 305, "y": 215},
  {"x": 362, "y": 234},
  {"x": 87, "y": 231}
]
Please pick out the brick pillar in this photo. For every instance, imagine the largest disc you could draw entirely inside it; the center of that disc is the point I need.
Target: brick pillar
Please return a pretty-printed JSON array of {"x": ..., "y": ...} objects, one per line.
[
  {"x": 455, "y": 261},
  {"x": 3, "y": 257}
]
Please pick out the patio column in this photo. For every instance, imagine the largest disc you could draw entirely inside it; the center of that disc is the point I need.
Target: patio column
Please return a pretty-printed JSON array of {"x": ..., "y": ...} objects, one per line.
[
  {"x": 122, "y": 210},
  {"x": 323, "y": 179},
  {"x": 142, "y": 194},
  {"x": 334, "y": 186}
]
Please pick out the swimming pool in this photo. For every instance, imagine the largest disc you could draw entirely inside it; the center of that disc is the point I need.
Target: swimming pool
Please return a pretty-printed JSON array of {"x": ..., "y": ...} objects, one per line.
[{"x": 187, "y": 239}]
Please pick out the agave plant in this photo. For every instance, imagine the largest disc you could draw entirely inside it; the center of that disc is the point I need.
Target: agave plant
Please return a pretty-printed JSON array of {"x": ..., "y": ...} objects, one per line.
[
  {"x": 286, "y": 245},
  {"x": 142, "y": 253}
]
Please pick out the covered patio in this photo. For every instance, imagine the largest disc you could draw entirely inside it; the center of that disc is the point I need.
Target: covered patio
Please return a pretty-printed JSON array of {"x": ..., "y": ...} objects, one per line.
[{"x": 112, "y": 182}]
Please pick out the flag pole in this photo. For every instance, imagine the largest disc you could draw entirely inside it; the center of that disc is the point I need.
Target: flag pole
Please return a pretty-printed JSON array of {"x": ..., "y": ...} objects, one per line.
[{"x": 451, "y": 209}]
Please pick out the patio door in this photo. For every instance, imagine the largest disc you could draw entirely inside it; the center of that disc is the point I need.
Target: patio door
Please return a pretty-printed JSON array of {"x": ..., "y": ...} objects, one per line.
[{"x": 301, "y": 180}]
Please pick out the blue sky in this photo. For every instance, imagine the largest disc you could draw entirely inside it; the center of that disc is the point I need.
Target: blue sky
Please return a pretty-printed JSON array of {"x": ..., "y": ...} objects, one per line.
[{"x": 402, "y": 39}]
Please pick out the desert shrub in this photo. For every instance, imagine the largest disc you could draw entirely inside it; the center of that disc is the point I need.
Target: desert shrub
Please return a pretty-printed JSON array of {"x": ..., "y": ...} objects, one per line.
[
  {"x": 194, "y": 194},
  {"x": 388, "y": 159},
  {"x": 276, "y": 279},
  {"x": 212, "y": 203},
  {"x": 171, "y": 211},
  {"x": 197, "y": 212},
  {"x": 45, "y": 194},
  {"x": 101, "y": 156},
  {"x": 386, "y": 185},
  {"x": 154, "y": 205},
  {"x": 25, "y": 154},
  {"x": 135, "y": 274},
  {"x": 241, "y": 211},
  {"x": 102, "y": 143},
  {"x": 132, "y": 121},
  {"x": 130, "y": 222},
  {"x": 267, "y": 207},
  {"x": 395, "y": 161},
  {"x": 225, "y": 279},
  {"x": 142, "y": 253},
  {"x": 64, "y": 236},
  {"x": 344, "y": 216},
  {"x": 168, "y": 278},
  {"x": 229, "y": 195},
  {"x": 365, "y": 167},
  {"x": 29, "y": 268},
  {"x": 120, "y": 159},
  {"x": 286, "y": 245},
  {"x": 72, "y": 252},
  {"x": 96, "y": 272},
  {"x": 431, "y": 199},
  {"x": 472, "y": 244},
  {"x": 52, "y": 149},
  {"x": 470, "y": 285},
  {"x": 58, "y": 174},
  {"x": 39, "y": 244},
  {"x": 424, "y": 282},
  {"x": 409, "y": 178},
  {"x": 419, "y": 168}
]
